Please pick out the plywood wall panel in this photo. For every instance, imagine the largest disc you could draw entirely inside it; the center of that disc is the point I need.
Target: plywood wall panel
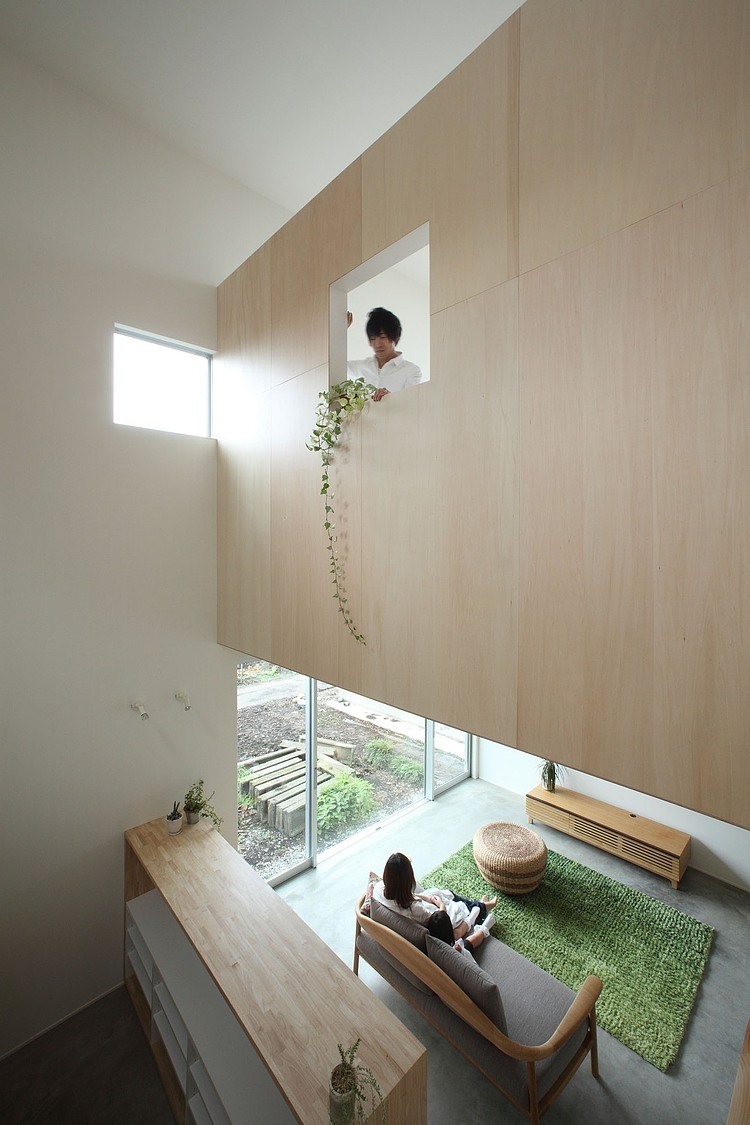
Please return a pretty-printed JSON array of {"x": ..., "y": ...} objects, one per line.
[
  {"x": 701, "y": 365},
  {"x": 244, "y": 534},
  {"x": 394, "y": 559},
  {"x": 320, "y": 244},
  {"x": 468, "y": 442},
  {"x": 547, "y": 543},
  {"x": 452, "y": 161},
  {"x": 242, "y": 424},
  {"x": 585, "y": 693},
  {"x": 626, "y": 108},
  {"x": 304, "y": 622}
]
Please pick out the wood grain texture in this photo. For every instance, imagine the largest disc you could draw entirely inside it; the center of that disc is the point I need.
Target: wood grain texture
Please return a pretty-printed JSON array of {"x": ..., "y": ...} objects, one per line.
[
  {"x": 305, "y": 623},
  {"x": 293, "y": 1017},
  {"x": 635, "y": 522},
  {"x": 585, "y": 694},
  {"x": 739, "y": 1108},
  {"x": 625, "y": 109},
  {"x": 244, "y": 529},
  {"x": 669, "y": 840},
  {"x": 585, "y": 561},
  {"x": 452, "y": 161},
  {"x": 701, "y": 407},
  {"x": 242, "y": 425},
  {"x": 420, "y": 536},
  {"x": 320, "y": 244}
]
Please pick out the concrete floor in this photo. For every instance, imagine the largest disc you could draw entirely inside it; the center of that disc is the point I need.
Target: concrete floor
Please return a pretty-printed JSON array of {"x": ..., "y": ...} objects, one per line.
[{"x": 97, "y": 1067}]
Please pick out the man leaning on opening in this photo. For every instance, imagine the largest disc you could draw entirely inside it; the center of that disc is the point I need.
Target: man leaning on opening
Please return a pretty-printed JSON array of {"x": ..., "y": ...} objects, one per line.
[{"x": 386, "y": 368}]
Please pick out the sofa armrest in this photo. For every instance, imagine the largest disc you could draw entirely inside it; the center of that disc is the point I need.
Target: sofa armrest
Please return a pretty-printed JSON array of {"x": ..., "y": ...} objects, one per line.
[{"x": 581, "y": 1008}]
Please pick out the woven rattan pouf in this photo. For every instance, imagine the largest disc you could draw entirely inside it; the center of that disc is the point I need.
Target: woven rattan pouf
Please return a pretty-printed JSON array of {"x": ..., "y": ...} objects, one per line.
[{"x": 511, "y": 858}]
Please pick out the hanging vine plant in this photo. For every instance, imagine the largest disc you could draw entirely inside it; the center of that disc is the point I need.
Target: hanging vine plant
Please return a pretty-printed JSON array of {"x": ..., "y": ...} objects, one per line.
[{"x": 333, "y": 408}]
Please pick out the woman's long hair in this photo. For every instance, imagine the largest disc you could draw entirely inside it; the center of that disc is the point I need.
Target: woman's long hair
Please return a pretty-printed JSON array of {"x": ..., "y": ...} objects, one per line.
[{"x": 398, "y": 880}]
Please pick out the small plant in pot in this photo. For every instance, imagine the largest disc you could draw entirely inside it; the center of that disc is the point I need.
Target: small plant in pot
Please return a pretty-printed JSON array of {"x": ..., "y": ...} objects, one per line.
[
  {"x": 551, "y": 773},
  {"x": 352, "y": 1085},
  {"x": 198, "y": 805},
  {"x": 174, "y": 819}
]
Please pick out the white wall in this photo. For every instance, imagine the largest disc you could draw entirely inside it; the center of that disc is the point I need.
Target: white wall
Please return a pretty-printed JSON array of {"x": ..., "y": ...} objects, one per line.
[
  {"x": 719, "y": 849},
  {"x": 107, "y": 539}
]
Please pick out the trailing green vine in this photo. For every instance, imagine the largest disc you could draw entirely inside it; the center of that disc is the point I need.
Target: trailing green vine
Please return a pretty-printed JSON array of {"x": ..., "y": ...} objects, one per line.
[{"x": 334, "y": 406}]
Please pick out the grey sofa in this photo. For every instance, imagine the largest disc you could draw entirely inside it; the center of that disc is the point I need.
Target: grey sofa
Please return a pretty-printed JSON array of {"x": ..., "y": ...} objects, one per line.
[{"x": 524, "y": 1030}]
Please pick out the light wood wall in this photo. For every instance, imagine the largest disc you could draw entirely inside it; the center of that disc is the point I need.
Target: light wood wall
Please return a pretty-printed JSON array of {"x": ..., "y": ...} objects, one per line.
[{"x": 546, "y": 544}]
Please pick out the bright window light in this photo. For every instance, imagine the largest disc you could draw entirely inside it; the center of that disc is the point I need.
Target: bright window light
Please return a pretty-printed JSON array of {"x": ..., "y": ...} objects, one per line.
[{"x": 161, "y": 385}]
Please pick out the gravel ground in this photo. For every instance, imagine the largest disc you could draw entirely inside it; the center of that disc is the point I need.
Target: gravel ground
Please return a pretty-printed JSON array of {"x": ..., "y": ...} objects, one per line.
[{"x": 264, "y": 727}]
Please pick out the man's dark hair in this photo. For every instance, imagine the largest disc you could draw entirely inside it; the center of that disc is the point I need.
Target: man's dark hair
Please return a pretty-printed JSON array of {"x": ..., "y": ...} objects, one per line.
[{"x": 381, "y": 320}]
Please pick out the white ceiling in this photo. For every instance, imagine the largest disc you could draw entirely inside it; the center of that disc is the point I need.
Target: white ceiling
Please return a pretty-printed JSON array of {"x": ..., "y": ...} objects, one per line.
[{"x": 279, "y": 94}]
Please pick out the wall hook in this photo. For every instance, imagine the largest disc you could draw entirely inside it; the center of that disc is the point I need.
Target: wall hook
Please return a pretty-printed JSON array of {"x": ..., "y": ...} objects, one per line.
[
  {"x": 140, "y": 709},
  {"x": 182, "y": 697}
]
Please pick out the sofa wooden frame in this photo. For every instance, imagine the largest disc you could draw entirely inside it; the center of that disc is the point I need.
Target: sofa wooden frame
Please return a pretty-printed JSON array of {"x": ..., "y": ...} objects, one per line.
[{"x": 582, "y": 1009}]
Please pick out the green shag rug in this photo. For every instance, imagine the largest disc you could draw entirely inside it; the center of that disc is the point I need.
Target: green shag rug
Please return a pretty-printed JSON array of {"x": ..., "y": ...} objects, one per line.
[{"x": 650, "y": 956}]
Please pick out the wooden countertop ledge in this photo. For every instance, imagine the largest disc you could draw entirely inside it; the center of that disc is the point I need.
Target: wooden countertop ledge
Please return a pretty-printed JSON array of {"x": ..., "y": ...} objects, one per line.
[{"x": 291, "y": 993}]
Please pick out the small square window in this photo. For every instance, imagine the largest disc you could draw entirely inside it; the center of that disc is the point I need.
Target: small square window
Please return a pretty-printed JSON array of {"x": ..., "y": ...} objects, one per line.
[{"x": 161, "y": 384}]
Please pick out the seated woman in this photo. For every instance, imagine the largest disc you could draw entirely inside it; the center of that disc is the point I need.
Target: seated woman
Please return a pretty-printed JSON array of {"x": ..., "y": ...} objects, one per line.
[{"x": 446, "y": 915}]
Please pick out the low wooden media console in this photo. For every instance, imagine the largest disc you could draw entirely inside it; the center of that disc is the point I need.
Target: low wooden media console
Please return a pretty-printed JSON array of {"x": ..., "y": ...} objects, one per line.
[{"x": 661, "y": 850}]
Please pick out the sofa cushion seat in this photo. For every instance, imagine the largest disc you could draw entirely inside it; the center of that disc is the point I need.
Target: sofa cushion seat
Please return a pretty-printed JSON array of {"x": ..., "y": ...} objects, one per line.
[{"x": 533, "y": 1005}]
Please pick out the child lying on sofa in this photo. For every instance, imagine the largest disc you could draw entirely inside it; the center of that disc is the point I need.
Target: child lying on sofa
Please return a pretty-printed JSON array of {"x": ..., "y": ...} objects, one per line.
[{"x": 462, "y": 923}]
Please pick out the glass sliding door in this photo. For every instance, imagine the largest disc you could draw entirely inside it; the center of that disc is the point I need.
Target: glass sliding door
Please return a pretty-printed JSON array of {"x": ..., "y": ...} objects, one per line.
[
  {"x": 370, "y": 763},
  {"x": 272, "y": 787},
  {"x": 450, "y": 753}
]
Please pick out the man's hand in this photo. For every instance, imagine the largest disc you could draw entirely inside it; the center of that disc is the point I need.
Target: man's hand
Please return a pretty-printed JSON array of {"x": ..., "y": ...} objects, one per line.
[{"x": 381, "y": 392}]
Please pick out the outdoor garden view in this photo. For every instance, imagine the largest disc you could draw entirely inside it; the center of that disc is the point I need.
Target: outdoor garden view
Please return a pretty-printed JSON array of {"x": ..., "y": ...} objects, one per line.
[{"x": 370, "y": 764}]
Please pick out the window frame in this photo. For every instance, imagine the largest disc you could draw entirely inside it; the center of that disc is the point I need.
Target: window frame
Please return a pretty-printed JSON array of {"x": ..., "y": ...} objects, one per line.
[{"x": 175, "y": 345}]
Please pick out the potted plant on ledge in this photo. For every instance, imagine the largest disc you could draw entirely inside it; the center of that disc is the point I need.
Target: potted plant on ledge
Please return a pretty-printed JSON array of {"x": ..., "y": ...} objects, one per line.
[
  {"x": 551, "y": 773},
  {"x": 197, "y": 805},
  {"x": 174, "y": 819},
  {"x": 350, "y": 1088}
]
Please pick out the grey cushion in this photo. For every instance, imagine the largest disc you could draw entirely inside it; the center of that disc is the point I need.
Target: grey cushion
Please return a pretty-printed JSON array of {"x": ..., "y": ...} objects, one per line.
[
  {"x": 412, "y": 931},
  {"x": 469, "y": 976},
  {"x": 533, "y": 1001}
]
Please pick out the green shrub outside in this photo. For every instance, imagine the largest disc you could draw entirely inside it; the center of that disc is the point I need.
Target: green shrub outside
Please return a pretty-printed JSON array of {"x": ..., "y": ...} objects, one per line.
[
  {"x": 378, "y": 752},
  {"x": 406, "y": 769},
  {"x": 346, "y": 800}
]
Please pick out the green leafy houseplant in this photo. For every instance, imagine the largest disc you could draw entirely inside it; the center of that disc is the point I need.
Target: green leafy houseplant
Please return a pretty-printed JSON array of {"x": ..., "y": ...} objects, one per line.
[
  {"x": 551, "y": 773},
  {"x": 198, "y": 805},
  {"x": 352, "y": 1086},
  {"x": 334, "y": 406}
]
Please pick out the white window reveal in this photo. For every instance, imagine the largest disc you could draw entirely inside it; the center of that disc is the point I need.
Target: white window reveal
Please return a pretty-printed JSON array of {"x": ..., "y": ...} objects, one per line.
[{"x": 161, "y": 384}]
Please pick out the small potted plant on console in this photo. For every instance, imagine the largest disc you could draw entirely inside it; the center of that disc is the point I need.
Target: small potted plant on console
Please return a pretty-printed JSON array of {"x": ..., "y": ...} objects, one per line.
[
  {"x": 350, "y": 1087},
  {"x": 551, "y": 773},
  {"x": 197, "y": 804},
  {"x": 174, "y": 819}
]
